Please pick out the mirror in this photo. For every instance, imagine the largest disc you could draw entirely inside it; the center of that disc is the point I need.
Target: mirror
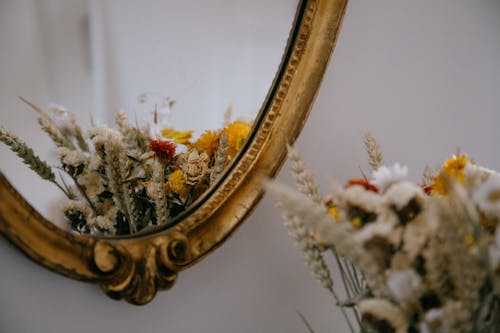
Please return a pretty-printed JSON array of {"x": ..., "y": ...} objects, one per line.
[
  {"x": 274, "y": 65},
  {"x": 198, "y": 65}
]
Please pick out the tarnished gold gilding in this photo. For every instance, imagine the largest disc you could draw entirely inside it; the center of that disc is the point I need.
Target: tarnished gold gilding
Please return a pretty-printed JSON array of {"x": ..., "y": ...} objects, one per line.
[{"x": 136, "y": 268}]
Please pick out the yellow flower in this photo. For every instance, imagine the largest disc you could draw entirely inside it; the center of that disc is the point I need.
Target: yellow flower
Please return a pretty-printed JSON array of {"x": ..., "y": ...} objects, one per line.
[
  {"x": 179, "y": 137},
  {"x": 237, "y": 132},
  {"x": 451, "y": 169},
  {"x": 357, "y": 222},
  {"x": 177, "y": 183},
  {"x": 208, "y": 142},
  {"x": 469, "y": 240},
  {"x": 334, "y": 212}
]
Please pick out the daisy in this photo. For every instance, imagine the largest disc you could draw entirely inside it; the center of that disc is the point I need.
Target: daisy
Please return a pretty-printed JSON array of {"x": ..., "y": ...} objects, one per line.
[
  {"x": 385, "y": 176},
  {"x": 487, "y": 197}
]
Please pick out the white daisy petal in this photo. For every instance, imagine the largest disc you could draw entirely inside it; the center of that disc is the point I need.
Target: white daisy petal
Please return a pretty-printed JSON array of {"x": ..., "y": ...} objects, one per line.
[{"x": 385, "y": 176}]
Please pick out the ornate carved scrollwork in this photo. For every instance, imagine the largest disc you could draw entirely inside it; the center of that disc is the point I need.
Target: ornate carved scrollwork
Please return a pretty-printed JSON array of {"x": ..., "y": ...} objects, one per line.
[{"x": 136, "y": 272}]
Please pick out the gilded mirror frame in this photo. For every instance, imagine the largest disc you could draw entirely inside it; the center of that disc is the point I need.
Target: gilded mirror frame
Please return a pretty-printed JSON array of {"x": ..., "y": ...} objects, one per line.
[{"x": 135, "y": 268}]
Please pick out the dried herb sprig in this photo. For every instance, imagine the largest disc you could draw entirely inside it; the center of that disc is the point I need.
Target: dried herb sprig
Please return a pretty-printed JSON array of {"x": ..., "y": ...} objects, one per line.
[
  {"x": 221, "y": 157},
  {"x": 78, "y": 134},
  {"x": 158, "y": 193},
  {"x": 49, "y": 126},
  {"x": 428, "y": 176},
  {"x": 29, "y": 158},
  {"x": 375, "y": 159},
  {"x": 307, "y": 186},
  {"x": 303, "y": 176}
]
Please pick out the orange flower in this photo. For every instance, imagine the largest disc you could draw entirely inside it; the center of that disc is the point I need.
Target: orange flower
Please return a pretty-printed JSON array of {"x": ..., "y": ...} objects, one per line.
[
  {"x": 361, "y": 182},
  {"x": 237, "y": 132},
  {"x": 179, "y": 137},
  {"x": 208, "y": 142},
  {"x": 177, "y": 183},
  {"x": 452, "y": 169}
]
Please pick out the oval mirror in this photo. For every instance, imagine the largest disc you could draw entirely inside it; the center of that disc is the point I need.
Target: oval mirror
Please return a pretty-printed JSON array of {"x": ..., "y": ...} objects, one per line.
[{"x": 210, "y": 98}]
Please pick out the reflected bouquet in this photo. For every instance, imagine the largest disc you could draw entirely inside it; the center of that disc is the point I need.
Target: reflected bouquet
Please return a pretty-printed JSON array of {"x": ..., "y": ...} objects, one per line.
[
  {"x": 130, "y": 177},
  {"x": 413, "y": 257}
]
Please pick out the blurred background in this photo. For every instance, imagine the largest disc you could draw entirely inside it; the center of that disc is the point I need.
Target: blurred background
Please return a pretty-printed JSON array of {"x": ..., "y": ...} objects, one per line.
[{"x": 423, "y": 77}]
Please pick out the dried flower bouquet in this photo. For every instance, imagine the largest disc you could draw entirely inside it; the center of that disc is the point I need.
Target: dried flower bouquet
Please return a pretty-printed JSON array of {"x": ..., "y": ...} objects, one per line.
[
  {"x": 128, "y": 178},
  {"x": 412, "y": 257}
]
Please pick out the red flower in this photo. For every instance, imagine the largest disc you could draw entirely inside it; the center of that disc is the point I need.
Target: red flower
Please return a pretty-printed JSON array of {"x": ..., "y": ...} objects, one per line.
[
  {"x": 427, "y": 189},
  {"x": 164, "y": 150},
  {"x": 361, "y": 182}
]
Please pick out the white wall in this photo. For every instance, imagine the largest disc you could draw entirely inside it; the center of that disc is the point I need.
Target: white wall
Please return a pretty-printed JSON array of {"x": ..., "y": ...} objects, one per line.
[{"x": 423, "y": 76}]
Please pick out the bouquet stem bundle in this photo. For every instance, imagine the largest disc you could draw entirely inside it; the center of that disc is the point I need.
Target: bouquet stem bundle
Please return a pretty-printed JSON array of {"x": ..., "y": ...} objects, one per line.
[
  {"x": 129, "y": 178},
  {"x": 412, "y": 257}
]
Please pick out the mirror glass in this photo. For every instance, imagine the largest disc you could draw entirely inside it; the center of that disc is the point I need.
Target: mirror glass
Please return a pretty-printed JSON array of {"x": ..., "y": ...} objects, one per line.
[{"x": 179, "y": 67}]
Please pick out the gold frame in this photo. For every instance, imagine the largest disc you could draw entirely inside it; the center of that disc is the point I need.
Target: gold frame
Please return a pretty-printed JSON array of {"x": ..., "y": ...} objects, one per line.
[{"x": 135, "y": 268}]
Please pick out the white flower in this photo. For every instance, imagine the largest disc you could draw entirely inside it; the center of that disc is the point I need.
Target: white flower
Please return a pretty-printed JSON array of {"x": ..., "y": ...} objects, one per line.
[
  {"x": 77, "y": 206},
  {"x": 357, "y": 196},
  {"x": 405, "y": 285},
  {"x": 476, "y": 175},
  {"x": 417, "y": 233},
  {"x": 103, "y": 223},
  {"x": 487, "y": 197},
  {"x": 377, "y": 311},
  {"x": 386, "y": 226},
  {"x": 432, "y": 322},
  {"x": 72, "y": 158},
  {"x": 402, "y": 193},
  {"x": 473, "y": 170},
  {"x": 385, "y": 176}
]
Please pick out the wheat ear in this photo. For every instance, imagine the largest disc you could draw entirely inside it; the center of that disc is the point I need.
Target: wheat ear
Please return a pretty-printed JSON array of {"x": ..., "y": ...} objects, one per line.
[
  {"x": 220, "y": 159},
  {"x": 310, "y": 250},
  {"x": 112, "y": 151},
  {"x": 303, "y": 177},
  {"x": 464, "y": 268},
  {"x": 375, "y": 159},
  {"x": 49, "y": 127},
  {"x": 228, "y": 115},
  {"x": 41, "y": 168},
  {"x": 128, "y": 189},
  {"x": 117, "y": 170},
  {"x": 428, "y": 176},
  {"x": 78, "y": 133},
  {"x": 27, "y": 155},
  {"x": 124, "y": 126},
  {"x": 161, "y": 204},
  {"x": 336, "y": 236}
]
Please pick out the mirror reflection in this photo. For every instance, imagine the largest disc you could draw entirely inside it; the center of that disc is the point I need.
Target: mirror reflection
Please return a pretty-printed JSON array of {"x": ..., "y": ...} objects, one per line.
[{"x": 142, "y": 104}]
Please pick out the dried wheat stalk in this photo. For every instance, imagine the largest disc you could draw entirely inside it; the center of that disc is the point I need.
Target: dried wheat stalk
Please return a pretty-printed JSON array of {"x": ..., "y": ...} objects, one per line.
[
  {"x": 375, "y": 159},
  {"x": 221, "y": 157}
]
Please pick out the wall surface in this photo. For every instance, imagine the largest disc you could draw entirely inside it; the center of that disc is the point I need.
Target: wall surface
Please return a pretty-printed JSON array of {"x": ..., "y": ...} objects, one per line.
[{"x": 422, "y": 76}]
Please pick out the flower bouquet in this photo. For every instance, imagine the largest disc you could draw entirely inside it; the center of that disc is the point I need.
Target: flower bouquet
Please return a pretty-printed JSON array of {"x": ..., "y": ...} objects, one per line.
[
  {"x": 127, "y": 178},
  {"x": 413, "y": 257}
]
